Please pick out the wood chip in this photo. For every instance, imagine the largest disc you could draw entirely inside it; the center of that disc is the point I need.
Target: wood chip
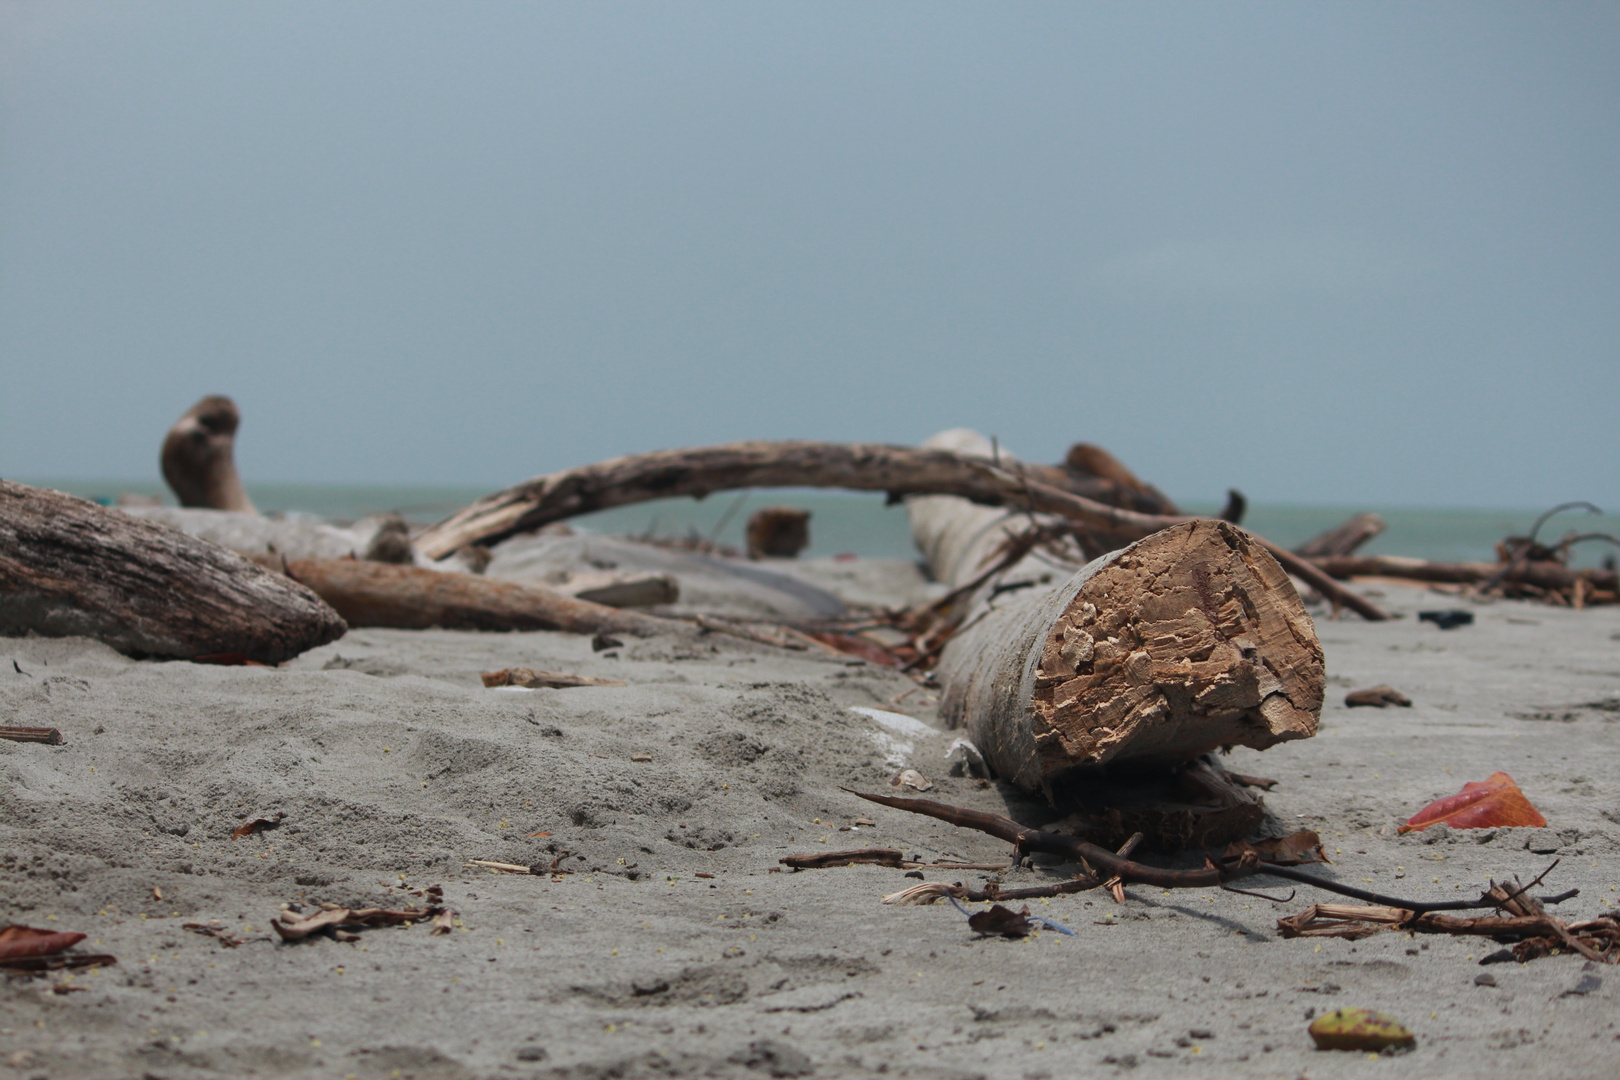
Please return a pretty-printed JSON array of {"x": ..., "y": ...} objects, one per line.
[
  {"x": 1377, "y": 697},
  {"x": 553, "y": 680}
]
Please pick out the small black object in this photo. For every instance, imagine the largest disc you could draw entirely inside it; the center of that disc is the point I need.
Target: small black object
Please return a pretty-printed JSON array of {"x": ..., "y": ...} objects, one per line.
[
  {"x": 918, "y": 874},
  {"x": 1447, "y": 620}
]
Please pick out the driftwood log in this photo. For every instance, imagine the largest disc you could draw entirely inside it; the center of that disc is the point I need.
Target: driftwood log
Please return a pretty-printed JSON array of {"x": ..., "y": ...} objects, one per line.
[
  {"x": 1342, "y": 539},
  {"x": 1189, "y": 639},
  {"x": 70, "y": 567},
  {"x": 412, "y": 598},
  {"x": 198, "y": 458},
  {"x": 1543, "y": 575},
  {"x": 897, "y": 470},
  {"x": 701, "y": 471}
]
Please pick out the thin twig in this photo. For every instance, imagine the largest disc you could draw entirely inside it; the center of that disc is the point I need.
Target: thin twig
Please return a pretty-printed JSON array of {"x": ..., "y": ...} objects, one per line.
[{"x": 1025, "y": 839}]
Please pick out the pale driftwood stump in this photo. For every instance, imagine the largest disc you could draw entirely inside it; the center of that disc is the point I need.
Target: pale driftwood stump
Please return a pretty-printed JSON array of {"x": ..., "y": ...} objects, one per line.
[
  {"x": 199, "y": 460},
  {"x": 70, "y": 567},
  {"x": 1190, "y": 639}
]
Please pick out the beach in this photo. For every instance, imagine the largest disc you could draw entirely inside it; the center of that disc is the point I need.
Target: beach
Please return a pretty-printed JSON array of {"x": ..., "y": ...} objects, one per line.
[{"x": 663, "y": 938}]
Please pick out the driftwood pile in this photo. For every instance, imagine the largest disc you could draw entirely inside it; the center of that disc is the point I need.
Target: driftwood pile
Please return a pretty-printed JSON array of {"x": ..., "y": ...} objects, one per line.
[
  {"x": 1525, "y": 568},
  {"x": 1092, "y": 630},
  {"x": 1095, "y": 645}
]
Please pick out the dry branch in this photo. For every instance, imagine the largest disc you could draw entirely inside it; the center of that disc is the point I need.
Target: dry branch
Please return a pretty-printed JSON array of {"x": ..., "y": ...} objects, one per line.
[
  {"x": 1542, "y": 575},
  {"x": 412, "y": 598},
  {"x": 48, "y": 735},
  {"x": 897, "y": 470},
  {"x": 1100, "y": 864}
]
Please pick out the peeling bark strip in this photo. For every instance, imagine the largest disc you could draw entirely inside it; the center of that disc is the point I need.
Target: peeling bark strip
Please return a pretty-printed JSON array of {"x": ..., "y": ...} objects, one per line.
[
  {"x": 411, "y": 598},
  {"x": 1190, "y": 639},
  {"x": 68, "y": 566},
  {"x": 898, "y": 470}
]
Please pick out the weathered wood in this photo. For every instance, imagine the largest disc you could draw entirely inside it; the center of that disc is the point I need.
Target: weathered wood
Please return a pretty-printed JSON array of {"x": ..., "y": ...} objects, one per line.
[
  {"x": 898, "y": 470},
  {"x": 958, "y": 538},
  {"x": 1089, "y": 459},
  {"x": 1543, "y": 575},
  {"x": 1190, "y": 639},
  {"x": 199, "y": 457},
  {"x": 68, "y": 566},
  {"x": 778, "y": 532},
  {"x": 1342, "y": 539},
  {"x": 412, "y": 598},
  {"x": 530, "y": 679},
  {"x": 48, "y": 735}
]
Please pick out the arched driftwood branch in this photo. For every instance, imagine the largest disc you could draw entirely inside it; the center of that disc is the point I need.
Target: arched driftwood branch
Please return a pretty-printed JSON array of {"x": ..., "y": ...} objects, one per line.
[{"x": 898, "y": 470}]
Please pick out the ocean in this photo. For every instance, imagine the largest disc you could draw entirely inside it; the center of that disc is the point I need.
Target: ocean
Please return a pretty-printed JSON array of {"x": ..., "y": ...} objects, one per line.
[{"x": 859, "y": 523}]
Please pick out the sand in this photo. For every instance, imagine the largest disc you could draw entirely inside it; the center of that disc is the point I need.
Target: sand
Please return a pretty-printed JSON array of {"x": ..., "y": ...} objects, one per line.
[{"x": 676, "y": 946}]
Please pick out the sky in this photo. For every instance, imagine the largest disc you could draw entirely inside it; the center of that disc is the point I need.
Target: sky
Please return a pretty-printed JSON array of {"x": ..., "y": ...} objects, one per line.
[{"x": 1326, "y": 253}]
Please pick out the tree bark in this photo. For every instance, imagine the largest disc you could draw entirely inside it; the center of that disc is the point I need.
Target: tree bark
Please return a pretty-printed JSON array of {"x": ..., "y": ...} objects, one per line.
[
  {"x": 412, "y": 598},
  {"x": 898, "y": 470},
  {"x": 68, "y": 566}
]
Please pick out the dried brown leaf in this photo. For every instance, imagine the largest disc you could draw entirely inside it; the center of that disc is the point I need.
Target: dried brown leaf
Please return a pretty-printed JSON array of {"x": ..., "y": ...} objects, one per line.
[{"x": 258, "y": 824}]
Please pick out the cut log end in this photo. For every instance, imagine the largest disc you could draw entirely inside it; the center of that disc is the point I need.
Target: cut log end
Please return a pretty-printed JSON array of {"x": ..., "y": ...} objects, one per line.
[
  {"x": 778, "y": 532},
  {"x": 1190, "y": 639}
]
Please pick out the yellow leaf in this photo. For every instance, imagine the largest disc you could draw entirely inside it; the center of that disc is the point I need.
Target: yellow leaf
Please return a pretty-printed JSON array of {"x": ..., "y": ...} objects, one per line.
[{"x": 1359, "y": 1029}]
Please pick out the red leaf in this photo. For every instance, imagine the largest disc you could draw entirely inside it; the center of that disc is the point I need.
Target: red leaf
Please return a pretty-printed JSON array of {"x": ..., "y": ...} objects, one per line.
[
  {"x": 19, "y": 941},
  {"x": 1495, "y": 802},
  {"x": 229, "y": 659}
]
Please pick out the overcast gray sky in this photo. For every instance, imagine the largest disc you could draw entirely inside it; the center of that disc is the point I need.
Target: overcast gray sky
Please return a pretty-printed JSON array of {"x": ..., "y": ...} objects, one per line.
[{"x": 1341, "y": 253}]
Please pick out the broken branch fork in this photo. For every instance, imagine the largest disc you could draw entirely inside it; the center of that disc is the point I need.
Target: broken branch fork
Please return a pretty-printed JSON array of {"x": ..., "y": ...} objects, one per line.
[{"x": 1129, "y": 871}]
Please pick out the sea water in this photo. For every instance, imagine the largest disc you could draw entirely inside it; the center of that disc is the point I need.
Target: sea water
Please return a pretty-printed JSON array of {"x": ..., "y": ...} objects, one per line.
[{"x": 861, "y": 524}]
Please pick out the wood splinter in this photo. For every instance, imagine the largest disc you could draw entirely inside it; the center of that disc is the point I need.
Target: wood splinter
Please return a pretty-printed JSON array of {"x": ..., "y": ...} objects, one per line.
[{"x": 48, "y": 735}]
